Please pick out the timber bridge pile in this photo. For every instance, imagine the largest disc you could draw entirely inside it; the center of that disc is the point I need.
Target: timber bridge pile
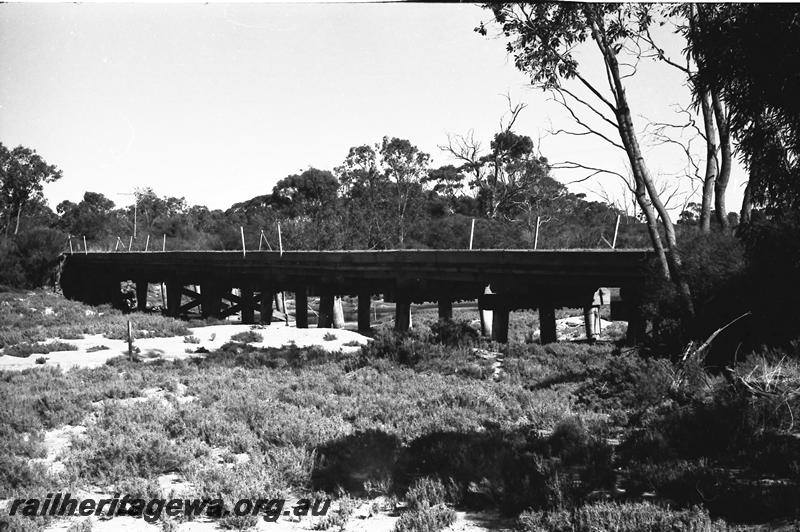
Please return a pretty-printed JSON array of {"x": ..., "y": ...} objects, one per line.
[{"x": 233, "y": 282}]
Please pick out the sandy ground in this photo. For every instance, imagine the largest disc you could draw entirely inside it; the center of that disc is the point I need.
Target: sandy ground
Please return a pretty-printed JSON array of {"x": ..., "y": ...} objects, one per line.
[{"x": 212, "y": 337}]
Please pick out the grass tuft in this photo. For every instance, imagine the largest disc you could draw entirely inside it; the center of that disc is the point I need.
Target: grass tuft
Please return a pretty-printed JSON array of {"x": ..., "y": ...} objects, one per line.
[
  {"x": 24, "y": 350},
  {"x": 247, "y": 337}
]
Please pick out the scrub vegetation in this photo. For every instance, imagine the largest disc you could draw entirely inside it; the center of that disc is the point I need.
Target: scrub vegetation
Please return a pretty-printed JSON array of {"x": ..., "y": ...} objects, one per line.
[{"x": 567, "y": 436}]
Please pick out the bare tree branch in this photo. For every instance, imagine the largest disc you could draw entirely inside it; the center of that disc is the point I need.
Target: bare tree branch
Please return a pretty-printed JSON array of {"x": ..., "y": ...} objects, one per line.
[
  {"x": 514, "y": 111},
  {"x": 591, "y": 108},
  {"x": 572, "y": 165},
  {"x": 648, "y": 38},
  {"x": 559, "y": 98}
]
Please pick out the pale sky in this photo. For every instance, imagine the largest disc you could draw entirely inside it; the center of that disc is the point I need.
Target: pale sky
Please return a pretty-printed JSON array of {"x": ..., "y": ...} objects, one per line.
[{"x": 218, "y": 102}]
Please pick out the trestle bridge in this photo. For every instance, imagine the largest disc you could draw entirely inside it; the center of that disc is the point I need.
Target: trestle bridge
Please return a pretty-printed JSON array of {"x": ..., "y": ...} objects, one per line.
[{"x": 233, "y": 282}]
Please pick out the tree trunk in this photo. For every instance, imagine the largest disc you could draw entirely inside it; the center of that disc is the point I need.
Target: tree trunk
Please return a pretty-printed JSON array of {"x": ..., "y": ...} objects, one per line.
[
  {"x": 402, "y": 233},
  {"x": 747, "y": 205},
  {"x": 19, "y": 212},
  {"x": 652, "y": 226},
  {"x": 721, "y": 185},
  {"x": 641, "y": 176},
  {"x": 673, "y": 258},
  {"x": 640, "y": 172},
  {"x": 711, "y": 176}
]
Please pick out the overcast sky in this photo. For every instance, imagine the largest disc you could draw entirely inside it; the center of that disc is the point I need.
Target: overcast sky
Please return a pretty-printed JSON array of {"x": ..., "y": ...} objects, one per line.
[{"x": 216, "y": 102}]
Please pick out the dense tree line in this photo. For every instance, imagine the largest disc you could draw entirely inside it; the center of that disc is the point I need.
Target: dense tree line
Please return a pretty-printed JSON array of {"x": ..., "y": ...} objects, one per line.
[{"x": 382, "y": 196}]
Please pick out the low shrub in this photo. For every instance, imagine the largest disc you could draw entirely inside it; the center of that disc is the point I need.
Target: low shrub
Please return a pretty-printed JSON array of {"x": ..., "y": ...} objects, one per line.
[
  {"x": 338, "y": 519},
  {"x": 19, "y": 476},
  {"x": 247, "y": 337},
  {"x": 627, "y": 382},
  {"x": 235, "y": 354},
  {"x": 140, "y": 488},
  {"x": 25, "y": 349},
  {"x": 21, "y": 523},
  {"x": 453, "y": 333},
  {"x": 514, "y": 470},
  {"x": 96, "y": 348},
  {"x": 425, "y": 519},
  {"x": 109, "y": 456},
  {"x": 620, "y": 517},
  {"x": 426, "y": 492},
  {"x": 731, "y": 428},
  {"x": 405, "y": 349},
  {"x": 727, "y": 492},
  {"x": 42, "y": 397},
  {"x": 238, "y": 522}
]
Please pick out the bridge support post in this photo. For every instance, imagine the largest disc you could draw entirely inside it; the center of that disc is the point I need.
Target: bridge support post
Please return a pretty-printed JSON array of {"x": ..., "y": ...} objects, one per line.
[
  {"x": 279, "y": 303},
  {"x": 500, "y": 323},
  {"x": 338, "y": 313},
  {"x": 265, "y": 304},
  {"x": 211, "y": 295},
  {"x": 301, "y": 307},
  {"x": 445, "y": 308},
  {"x": 402, "y": 316},
  {"x": 589, "y": 318},
  {"x": 364, "y": 308},
  {"x": 325, "y": 311},
  {"x": 486, "y": 316},
  {"x": 141, "y": 294},
  {"x": 248, "y": 304},
  {"x": 486, "y": 323},
  {"x": 174, "y": 297},
  {"x": 547, "y": 323}
]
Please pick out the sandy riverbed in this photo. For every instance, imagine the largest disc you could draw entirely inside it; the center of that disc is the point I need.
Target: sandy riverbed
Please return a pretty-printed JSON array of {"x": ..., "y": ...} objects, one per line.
[{"x": 210, "y": 338}]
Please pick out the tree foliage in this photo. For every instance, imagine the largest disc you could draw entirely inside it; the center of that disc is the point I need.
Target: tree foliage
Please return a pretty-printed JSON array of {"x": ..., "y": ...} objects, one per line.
[
  {"x": 92, "y": 217},
  {"x": 750, "y": 53},
  {"x": 306, "y": 194},
  {"x": 23, "y": 174}
]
